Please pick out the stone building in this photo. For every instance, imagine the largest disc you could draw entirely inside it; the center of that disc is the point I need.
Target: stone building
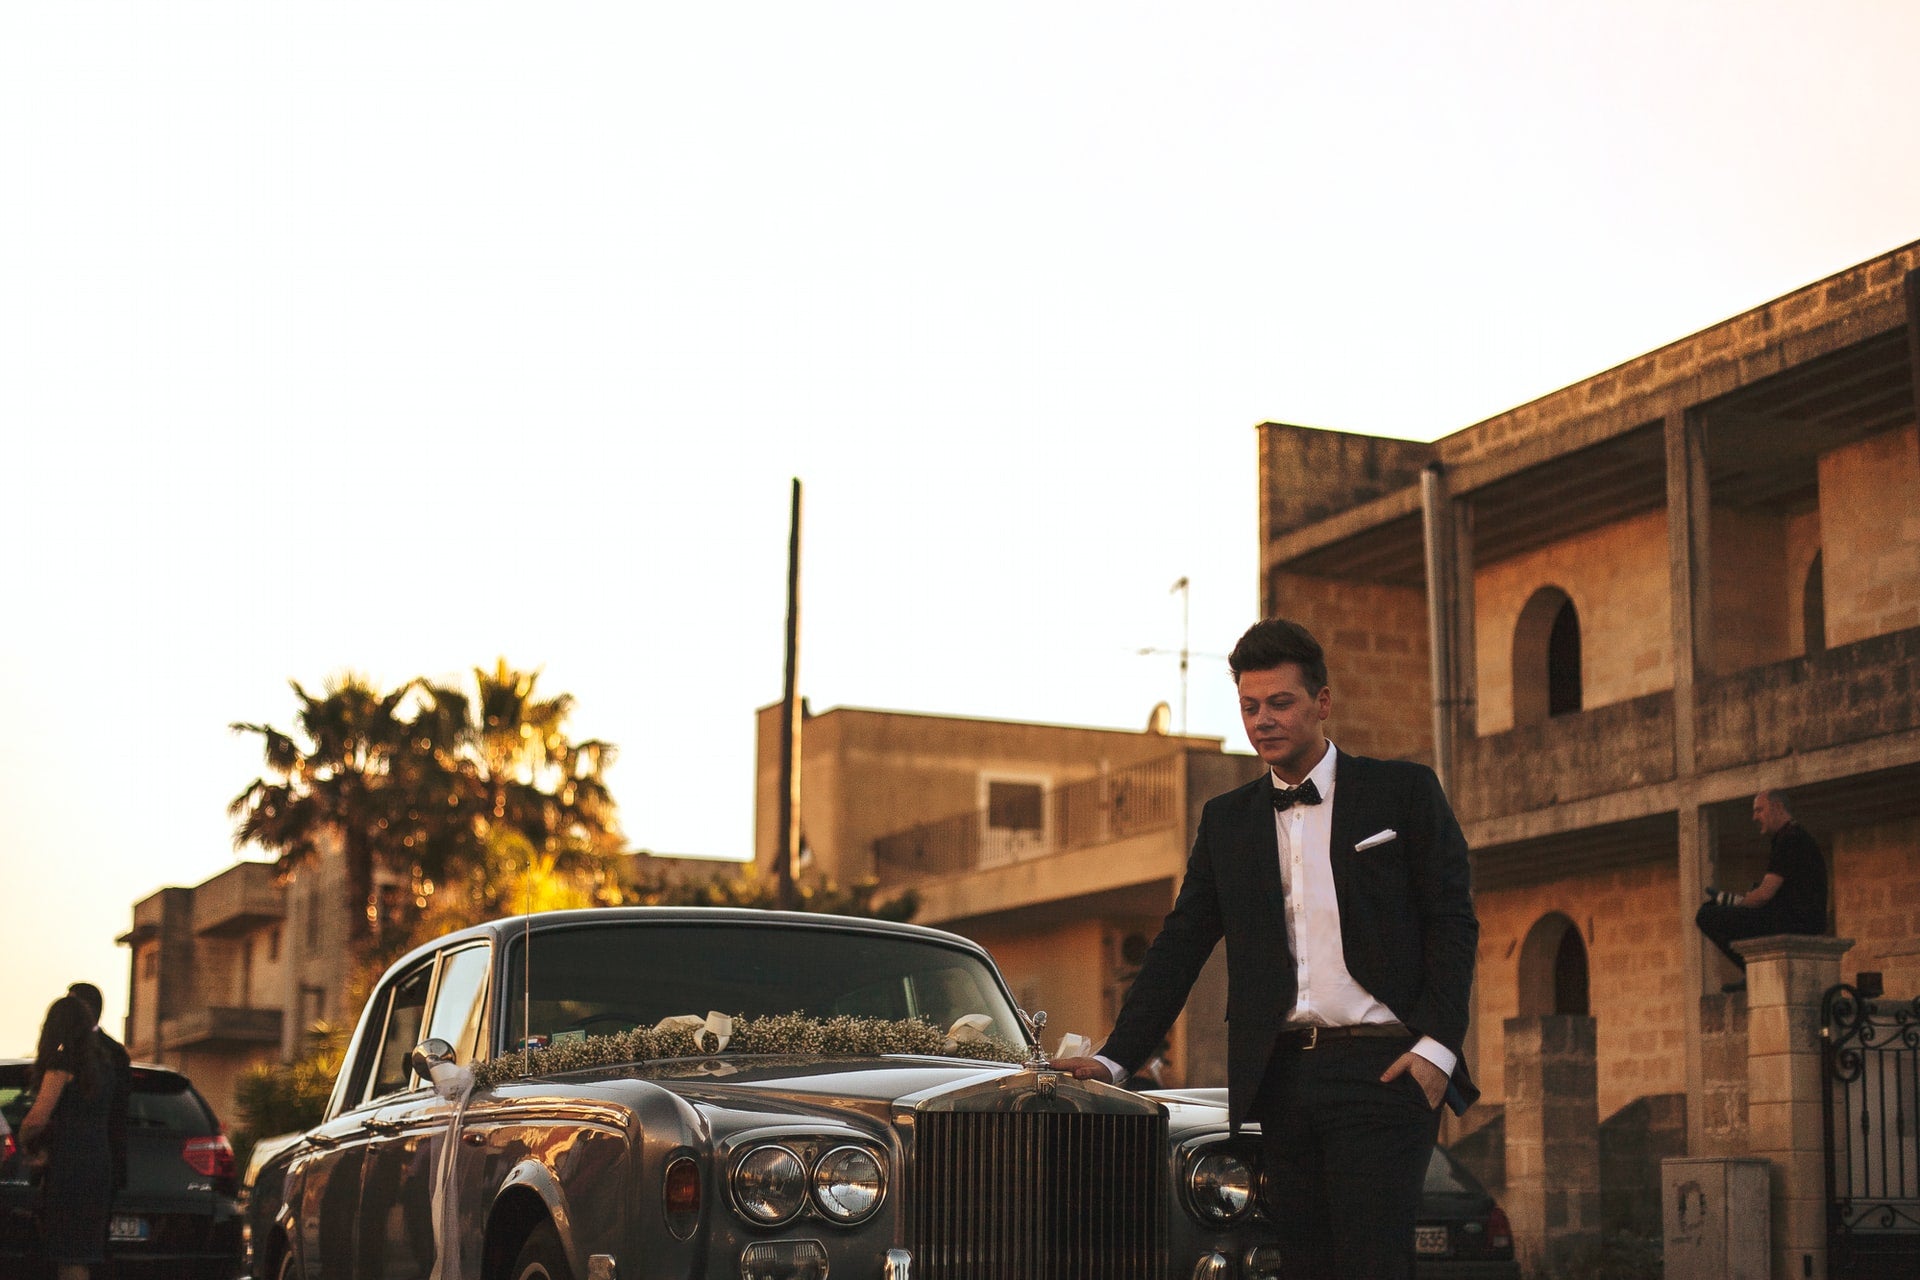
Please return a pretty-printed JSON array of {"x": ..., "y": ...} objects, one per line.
[
  {"x": 1058, "y": 848},
  {"x": 1608, "y": 617},
  {"x": 231, "y": 972}
]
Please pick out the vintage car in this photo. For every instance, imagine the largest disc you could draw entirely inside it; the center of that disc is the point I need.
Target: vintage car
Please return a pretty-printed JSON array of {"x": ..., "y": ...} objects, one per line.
[{"x": 655, "y": 1092}]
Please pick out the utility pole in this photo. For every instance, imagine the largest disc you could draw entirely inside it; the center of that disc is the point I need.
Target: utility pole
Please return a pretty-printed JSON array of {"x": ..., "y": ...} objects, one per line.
[
  {"x": 790, "y": 723},
  {"x": 1186, "y": 600}
]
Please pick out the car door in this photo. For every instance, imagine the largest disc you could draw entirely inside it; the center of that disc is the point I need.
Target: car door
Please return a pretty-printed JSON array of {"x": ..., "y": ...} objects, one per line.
[
  {"x": 326, "y": 1199},
  {"x": 410, "y": 1128}
]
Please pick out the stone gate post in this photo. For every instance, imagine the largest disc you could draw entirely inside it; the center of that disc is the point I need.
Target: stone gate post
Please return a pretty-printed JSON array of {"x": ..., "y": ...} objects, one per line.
[
  {"x": 1553, "y": 1138},
  {"x": 1787, "y": 974}
]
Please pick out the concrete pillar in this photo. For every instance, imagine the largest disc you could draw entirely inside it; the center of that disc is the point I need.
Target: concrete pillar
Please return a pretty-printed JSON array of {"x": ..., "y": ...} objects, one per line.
[
  {"x": 1553, "y": 1140},
  {"x": 1786, "y": 977},
  {"x": 1718, "y": 1118}
]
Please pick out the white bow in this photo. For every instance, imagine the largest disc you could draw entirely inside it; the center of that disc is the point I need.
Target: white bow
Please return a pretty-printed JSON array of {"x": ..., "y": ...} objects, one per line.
[
  {"x": 715, "y": 1024},
  {"x": 968, "y": 1028}
]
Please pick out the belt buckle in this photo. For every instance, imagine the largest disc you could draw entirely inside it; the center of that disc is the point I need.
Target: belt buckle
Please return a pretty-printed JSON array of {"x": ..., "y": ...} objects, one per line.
[{"x": 1313, "y": 1037}]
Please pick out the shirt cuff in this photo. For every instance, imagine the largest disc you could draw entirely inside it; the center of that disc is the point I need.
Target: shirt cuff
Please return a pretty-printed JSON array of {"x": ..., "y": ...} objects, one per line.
[
  {"x": 1438, "y": 1054},
  {"x": 1119, "y": 1072}
]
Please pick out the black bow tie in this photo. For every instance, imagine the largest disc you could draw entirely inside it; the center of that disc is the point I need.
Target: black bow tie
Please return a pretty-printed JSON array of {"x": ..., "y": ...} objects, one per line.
[{"x": 1287, "y": 797}]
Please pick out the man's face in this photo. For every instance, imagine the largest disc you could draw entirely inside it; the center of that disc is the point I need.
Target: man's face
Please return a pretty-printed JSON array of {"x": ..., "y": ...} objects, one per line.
[
  {"x": 1283, "y": 721},
  {"x": 1768, "y": 813}
]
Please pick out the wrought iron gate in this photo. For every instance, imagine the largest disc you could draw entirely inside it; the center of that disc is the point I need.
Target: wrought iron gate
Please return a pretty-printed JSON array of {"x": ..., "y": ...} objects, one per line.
[{"x": 1870, "y": 1050}]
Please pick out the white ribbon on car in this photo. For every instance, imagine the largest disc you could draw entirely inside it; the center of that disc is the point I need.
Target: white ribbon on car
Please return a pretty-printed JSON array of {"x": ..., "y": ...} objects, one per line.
[
  {"x": 454, "y": 1083},
  {"x": 715, "y": 1024},
  {"x": 968, "y": 1028}
]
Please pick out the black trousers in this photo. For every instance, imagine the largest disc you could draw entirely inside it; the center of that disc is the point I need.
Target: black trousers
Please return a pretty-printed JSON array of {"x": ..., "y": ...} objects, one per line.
[
  {"x": 1346, "y": 1157},
  {"x": 1726, "y": 925}
]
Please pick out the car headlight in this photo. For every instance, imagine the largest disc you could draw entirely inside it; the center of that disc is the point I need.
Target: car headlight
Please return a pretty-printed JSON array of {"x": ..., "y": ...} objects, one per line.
[
  {"x": 1220, "y": 1185},
  {"x": 848, "y": 1184},
  {"x": 770, "y": 1185}
]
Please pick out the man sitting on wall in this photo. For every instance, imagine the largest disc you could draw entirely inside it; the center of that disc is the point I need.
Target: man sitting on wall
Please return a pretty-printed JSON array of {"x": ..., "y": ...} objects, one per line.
[{"x": 1790, "y": 898}]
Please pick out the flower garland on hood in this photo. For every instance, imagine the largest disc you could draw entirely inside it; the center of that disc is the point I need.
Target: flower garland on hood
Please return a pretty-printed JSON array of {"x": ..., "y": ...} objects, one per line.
[{"x": 690, "y": 1035}]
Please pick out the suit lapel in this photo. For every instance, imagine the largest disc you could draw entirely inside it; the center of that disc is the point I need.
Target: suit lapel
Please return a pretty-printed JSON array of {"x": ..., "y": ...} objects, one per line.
[
  {"x": 1262, "y": 844},
  {"x": 1350, "y": 806}
]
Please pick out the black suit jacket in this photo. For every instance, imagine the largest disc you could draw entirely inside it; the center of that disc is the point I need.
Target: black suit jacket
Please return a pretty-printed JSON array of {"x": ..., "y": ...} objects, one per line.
[{"x": 1406, "y": 921}]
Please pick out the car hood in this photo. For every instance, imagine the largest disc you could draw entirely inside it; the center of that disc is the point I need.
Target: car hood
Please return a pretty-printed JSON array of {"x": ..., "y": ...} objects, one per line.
[{"x": 785, "y": 1087}]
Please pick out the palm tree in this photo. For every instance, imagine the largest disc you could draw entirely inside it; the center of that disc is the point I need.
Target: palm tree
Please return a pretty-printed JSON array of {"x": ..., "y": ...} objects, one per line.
[
  {"x": 437, "y": 789},
  {"x": 526, "y": 786},
  {"x": 341, "y": 779}
]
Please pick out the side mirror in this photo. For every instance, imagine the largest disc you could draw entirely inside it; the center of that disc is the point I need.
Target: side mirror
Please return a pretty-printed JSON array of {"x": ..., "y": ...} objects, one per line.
[{"x": 427, "y": 1055}]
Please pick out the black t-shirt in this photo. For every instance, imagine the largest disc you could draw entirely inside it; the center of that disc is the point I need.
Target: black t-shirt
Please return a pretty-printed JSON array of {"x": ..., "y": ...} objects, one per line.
[{"x": 1802, "y": 898}]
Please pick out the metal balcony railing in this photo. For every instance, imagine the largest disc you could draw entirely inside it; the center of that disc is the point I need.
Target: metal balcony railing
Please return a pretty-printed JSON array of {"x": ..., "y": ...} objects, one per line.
[{"x": 1114, "y": 806}]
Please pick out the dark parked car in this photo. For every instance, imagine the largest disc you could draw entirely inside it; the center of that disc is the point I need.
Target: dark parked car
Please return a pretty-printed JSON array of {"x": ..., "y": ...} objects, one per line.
[
  {"x": 863, "y": 1119},
  {"x": 176, "y": 1217},
  {"x": 1462, "y": 1234}
]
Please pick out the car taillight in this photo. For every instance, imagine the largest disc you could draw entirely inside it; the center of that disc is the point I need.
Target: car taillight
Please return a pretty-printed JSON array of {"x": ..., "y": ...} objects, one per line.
[
  {"x": 6, "y": 1147},
  {"x": 210, "y": 1157},
  {"x": 1499, "y": 1230}
]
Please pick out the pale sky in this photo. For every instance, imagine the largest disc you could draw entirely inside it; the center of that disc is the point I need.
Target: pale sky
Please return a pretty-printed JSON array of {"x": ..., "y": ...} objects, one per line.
[{"x": 399, "y": 338}]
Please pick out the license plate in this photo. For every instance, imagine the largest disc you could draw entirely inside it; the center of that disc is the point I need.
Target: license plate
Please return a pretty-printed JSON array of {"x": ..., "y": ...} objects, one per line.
[
  {"x": 1429, "y": 1240},
  {"x": 126, "y": 1227}
]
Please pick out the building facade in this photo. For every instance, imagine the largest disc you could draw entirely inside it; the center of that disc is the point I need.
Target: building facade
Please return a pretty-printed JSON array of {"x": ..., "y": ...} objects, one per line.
[{"x": 1608, "y": 617}]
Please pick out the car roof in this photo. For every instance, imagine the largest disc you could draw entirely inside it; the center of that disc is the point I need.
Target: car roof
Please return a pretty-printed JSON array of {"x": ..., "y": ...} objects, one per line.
[
  {"x": 507, "y": 928},
  {"x": 143, "y": 1072}
]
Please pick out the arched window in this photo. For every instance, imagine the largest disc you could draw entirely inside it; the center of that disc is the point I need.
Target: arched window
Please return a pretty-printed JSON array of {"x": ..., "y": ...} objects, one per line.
[
  {"x": 1813, "y": 608},
  {"x": 1553, "y": 968},
  {"x": 1546, "y": 658}
]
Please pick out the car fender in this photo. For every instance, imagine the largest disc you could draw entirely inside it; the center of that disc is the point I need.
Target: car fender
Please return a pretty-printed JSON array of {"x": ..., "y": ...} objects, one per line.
[{"x": 531, "y": 1178}]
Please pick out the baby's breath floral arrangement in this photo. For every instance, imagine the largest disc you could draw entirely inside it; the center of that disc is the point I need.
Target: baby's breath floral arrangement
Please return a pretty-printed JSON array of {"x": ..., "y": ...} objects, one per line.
[{"x": 786, "y": 1033}]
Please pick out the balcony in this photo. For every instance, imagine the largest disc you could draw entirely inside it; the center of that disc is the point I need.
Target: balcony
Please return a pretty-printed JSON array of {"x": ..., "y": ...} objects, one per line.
[
  {"x": 1114, "y": 806},
  {"x": 1572, "y": 757},
  {"x": 238, "y": 900},
  {"x": 222, "y": 1027},
  {"x": 1849, "y": 694}
]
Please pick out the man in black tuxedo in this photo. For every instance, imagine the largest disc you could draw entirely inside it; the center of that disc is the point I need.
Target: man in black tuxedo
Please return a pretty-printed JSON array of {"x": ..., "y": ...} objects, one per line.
[{"x": 1341, "y": 886}]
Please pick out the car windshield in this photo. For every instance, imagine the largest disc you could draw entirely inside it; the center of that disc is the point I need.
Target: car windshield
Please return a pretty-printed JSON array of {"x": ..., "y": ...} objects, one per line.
[{"x": 597, "y": 979}]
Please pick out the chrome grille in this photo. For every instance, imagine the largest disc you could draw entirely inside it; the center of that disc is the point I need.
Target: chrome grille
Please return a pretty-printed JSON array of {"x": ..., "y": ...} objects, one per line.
[{"x": 1038, "y": 1196}]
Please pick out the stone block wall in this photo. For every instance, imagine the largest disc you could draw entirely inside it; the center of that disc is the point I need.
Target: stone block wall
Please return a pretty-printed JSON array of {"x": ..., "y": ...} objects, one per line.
[
  {"x": 1870, "y": 523},
  {"x": 1612, "y": 748},
  {"x": 1630, "y": 921},
  {"x": 1751, "y": 592},
  {"x": 1376, "y": 642},
  {"x": 1848, "y": 694},
  {"x": 1633, "y": 1142},
  {"x": 1553, "y": 1139},
  {"x": 1722, "y": 1119},
  {"x": 1616, "y": 576},
  {"x": 1307, "y": 474},
  {"x": 1874, "y": 870}
]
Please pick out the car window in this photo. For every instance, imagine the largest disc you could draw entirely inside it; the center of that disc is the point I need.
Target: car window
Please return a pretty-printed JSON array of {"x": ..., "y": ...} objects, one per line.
[
  {"x": 166, "y": 1103},
  {"x": 14, "y": 1098},
  {"x": 460, "y": 999},
  {"x": 405, "y": 1010},
  {"x": 1446, "y": 1176}
]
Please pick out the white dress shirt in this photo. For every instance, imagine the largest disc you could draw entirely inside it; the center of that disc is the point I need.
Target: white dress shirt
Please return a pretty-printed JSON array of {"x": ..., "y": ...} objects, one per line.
[{"x": 1328, "y": 995}]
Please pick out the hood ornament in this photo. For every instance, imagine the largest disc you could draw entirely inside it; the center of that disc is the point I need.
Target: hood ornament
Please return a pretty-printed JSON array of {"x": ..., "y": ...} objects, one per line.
[{"x": 1036, "y": 1021}]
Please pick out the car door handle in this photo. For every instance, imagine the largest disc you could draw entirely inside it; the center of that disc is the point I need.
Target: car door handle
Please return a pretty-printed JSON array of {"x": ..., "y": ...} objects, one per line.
[{"x": 385, "y": 1128}]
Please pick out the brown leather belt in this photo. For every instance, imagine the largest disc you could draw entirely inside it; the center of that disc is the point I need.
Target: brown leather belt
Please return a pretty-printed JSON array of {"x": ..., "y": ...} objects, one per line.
[{"x": 1315, "y": 1037}]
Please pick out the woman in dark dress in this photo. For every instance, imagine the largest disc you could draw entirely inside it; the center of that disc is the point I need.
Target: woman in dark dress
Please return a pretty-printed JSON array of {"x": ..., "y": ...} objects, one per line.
[{"x": 66, "y": 1132}]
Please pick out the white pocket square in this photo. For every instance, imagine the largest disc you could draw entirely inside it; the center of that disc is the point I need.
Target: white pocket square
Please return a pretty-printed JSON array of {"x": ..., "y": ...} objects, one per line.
[{"x": 1376, "y": 839}]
